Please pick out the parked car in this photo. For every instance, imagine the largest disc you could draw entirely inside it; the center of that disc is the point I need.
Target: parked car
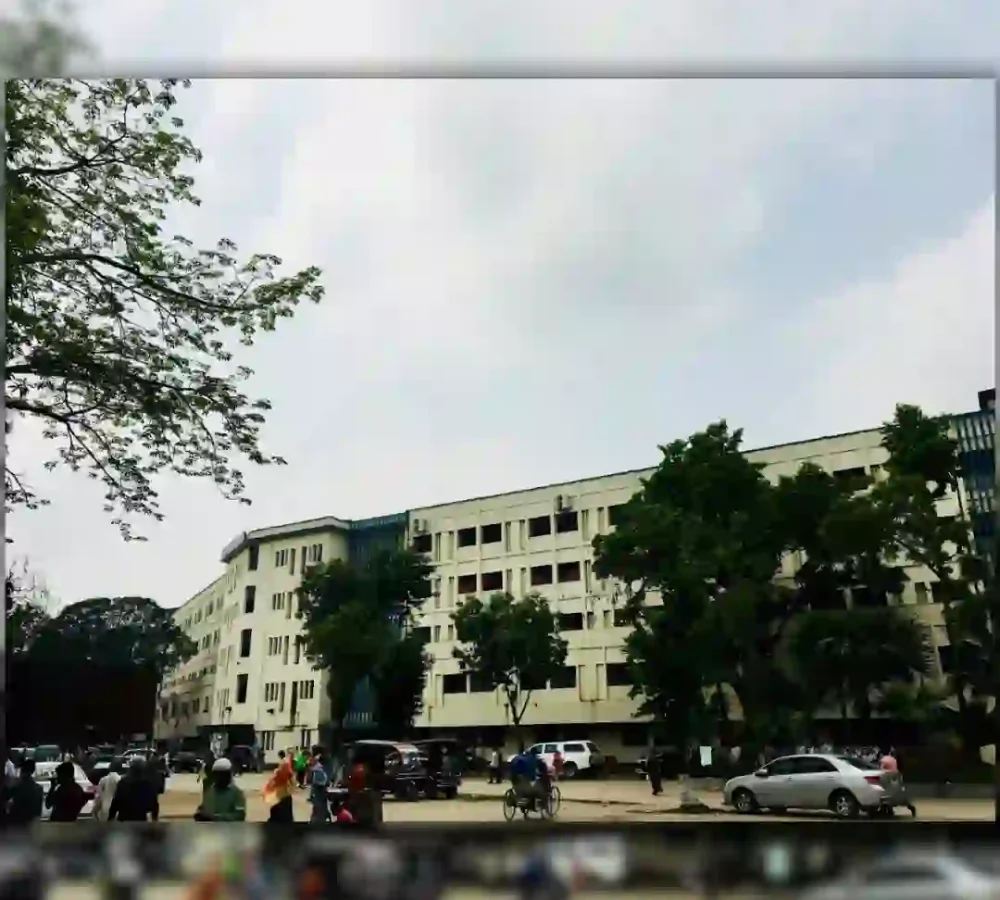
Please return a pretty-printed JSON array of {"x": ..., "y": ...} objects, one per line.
[
  {"x": 185, "y": 761},
  {"x": 394, "y": 767},
  {"x": 432, "y": 750},
  {"x": 45, "y": 772},
  {"x": 579, "y": 757},
  {"x": 101, "y": 764},
  {"x": 843, "y": 784},
  {"x": 963, "y": 873}
]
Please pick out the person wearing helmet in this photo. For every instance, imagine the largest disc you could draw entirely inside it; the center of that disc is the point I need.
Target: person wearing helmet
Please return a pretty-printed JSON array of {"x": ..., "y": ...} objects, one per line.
[{"x": 223, "y": 801}]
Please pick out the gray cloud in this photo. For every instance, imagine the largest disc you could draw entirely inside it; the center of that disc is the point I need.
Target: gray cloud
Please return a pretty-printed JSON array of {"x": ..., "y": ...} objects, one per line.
[{"x": 530, "y": 282}]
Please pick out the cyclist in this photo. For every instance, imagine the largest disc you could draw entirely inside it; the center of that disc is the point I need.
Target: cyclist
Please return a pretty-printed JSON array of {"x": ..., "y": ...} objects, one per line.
[{"x": 522, "y": 773}]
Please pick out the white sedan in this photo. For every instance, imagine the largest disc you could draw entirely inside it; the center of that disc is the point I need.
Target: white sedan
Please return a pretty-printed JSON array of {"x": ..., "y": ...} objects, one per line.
[{"x": 46, "y": 771}]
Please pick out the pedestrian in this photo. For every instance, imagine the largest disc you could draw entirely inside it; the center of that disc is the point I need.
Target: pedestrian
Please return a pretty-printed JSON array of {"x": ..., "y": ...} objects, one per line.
[
  {"x": 890, "y": 766},
  {"x": 66, "y": 798},
  {"x": 23, "y": 798},
  {"x": 654, "y": 769},
  {"x": 135, "y": 795},
  {"x": 319, "y": 779},
  {"x": 495, "y": 775},
  {"x": 223, "y": 801},
  {"x": 301, "y": 765},
  {"x": 278, "y": 791},
  {"x": 156, "y": 771},
  {"x": 106, "y": 788},
  {"x": 558, "y": 764}
]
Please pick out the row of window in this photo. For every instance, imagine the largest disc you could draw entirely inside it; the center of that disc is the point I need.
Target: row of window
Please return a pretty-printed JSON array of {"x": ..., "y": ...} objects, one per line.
[
  {"x": 566, "y": 622},
  {"x": 308, "y": 556},
  {"x": 472, "y": 683},
  {"x": 281, "y": 645},
  {"x": 183, "y": 708},
  {"x": 267, "y": 739},
  {"x": 274, "y": 691}
]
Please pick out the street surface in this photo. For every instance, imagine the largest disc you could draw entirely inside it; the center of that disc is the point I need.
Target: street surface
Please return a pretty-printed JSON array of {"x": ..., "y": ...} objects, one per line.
[{"x": 607, "y": 802}]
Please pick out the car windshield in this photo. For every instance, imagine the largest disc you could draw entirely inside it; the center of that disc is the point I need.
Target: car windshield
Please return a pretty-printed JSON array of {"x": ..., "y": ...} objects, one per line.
[
  {"x": 856, "y": 762},
  {"x": 592, "y": 747}
]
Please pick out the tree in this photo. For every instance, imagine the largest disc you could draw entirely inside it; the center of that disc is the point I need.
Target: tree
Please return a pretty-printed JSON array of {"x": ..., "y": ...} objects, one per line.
[
  {"x": 700, "y": 532},
  {"x": 125, "y": 632},
  {"x": 847, "y": 657},
  {"x": 37, "y": 41},
  {"x": 357, "y": 624},
  {"x": 510, "y": 644},
  {"x": 120, "y": 339},
  {"x": 30, "y": 606}
]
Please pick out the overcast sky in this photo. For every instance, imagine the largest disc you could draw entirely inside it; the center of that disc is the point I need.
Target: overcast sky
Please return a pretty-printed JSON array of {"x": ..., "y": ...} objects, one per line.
[{"x": 531, "y": 282}]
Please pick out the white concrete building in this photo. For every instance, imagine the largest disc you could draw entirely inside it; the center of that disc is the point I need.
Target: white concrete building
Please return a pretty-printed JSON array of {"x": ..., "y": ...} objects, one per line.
[{"x": 532, "y": 540}]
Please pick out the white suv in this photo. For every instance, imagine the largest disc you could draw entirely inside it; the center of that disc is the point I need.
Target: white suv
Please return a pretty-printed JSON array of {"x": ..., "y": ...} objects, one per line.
[{"x": 578, "y": 756}]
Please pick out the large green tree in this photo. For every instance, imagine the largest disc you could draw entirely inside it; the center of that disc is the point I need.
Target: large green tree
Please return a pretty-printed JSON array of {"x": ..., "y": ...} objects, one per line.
[
  {"x": 123, "y": 632},
  {"x": 122, "y": 336},
  {"x": 30, "y": 606},
  {"x": 358, "y": 624},
  {"x": 510, "y": 644}
]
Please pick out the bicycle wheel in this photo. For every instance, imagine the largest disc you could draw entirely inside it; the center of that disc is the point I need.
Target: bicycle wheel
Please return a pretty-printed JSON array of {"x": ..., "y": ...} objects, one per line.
[
  {"x": 552, "y": 803},
  {"x": 509, "y": 805}
]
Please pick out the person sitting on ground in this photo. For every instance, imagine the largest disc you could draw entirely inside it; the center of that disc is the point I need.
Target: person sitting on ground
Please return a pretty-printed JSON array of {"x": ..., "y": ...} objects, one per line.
[
  {"x": 24, "y": 798},
  {"x": 223, "y": 801},
  {"x": 66, "y": 798}
]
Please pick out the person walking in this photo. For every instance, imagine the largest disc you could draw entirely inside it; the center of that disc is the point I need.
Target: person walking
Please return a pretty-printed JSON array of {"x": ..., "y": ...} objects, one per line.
[
  {"x": 23, "y": 798},
  {"x": 319, "y": 780},
  {"x": 558, "y": 763},
  {"x": 654, "y": 769},
  {"x": 135, "y": 796},
  {"x": 301, "y": 766},
  {"x": 890, "y": 766},
  {"x": 106, "y": 788},
  {"x": 278, "y": 791},
  {"x": 495, "y": 775},
  {"x": 66, "y": 798},
  {"x": 223, "y": 801}
]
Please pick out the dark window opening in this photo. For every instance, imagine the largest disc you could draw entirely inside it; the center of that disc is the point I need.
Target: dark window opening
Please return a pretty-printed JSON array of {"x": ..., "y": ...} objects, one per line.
[
  {"x": 245, "y": 636},
  {"x": 253, "y": 558},
  {"x": 467, "y": 584},
  {"x": 539, "y": 526},
  {"x": 249, "y": 598},
  {"x": 241, "y": 687},
  {"x": 491, "y": 534},
  {"x": 291, "y": 563},
  {"x": 530, "y": 683},
  {"x": 466, "y": 537},
  {"x": 566, "y": 521},
  {"x": 827, "y": 597},
  {"x": 565, "y": 678},
  {"x": 621, "y": 619},
  {"x": 852, "y": 476},
  {"x": 568, "y": 571},
  {"x": 492, "y": 581},
  {"x": 423, "y": 543},
  {"x": 864, "y": 596},
  {"x": 946, "y": 655},
  {"x": 478, "y": 684},
  {"x": 618, "y": 675},
  {"x": 455, "y": 684},
  {"x": 615, "y": 514},
  {"x": 570, "y": 621},
  {"x": 541, "y": 575},
  {"x": 423, "y": 634}
]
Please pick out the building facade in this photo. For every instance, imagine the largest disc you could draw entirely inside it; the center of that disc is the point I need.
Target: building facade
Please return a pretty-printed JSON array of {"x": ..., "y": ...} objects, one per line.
[
  {"x": 261, "y": 688},
  {"x": 976, "y": 435}
]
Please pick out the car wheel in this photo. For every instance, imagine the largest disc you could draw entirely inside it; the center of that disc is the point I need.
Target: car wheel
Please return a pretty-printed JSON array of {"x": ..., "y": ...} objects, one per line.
[
  {"x": 570, "y": 770},
  {"x": 844, "y": 805},
  {"x": 744, "y": 801}
]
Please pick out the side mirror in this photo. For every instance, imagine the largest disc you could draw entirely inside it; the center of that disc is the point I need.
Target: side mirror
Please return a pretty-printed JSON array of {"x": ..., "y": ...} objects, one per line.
[{"x": 761, "y": 773}]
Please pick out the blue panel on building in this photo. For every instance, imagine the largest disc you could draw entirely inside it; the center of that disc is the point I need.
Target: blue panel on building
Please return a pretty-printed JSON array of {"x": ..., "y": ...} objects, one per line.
[{"x": 976, "y": 433}]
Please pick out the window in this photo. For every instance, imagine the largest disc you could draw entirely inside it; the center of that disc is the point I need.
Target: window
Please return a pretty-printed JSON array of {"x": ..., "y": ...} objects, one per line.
[
  {"x": 271, "y": 690},
  {"x": 921, "y": 590},
  {"x": 574, "y": 748},
  {"x": 541, "y": 575},
  {"x": 567, "y": 521},
  {"x": 253, "y": 558},
  {"x": 492, "y": 581},
  {"x": 568, "y": 571},
  {"x": 249, "y": 598},
  {"x": 570, "y": 621},
  {"x": 422, "y": 634},
  {"x": 781, "y": 767},
  {"x": 273, "y": 646},
  {"x": 423, "y": 543},
  {"x": 291, "y": 563},
  {"x": 491, "y": 534},
  {"x": 298, "y": 650},
  {"x": 479, "y": 685},
  {"x": 316, "y": 553},
  {"x": 621, "y": 618},
  {"x": 615, "y": 514},
  {"x": 196, "y": 705},
  {"x": 245, "y": 636},
  {"x": 437, "y": 634},
  {"x": 539, "y": 526},
  {"x": 207, "y": 705},
  {"x": 241, "y": 687},
  {"x": 946, "y": 657},
  {"x": 467, "y": 584},
  {"x": 466, "y": 537},
  {"x": 267, "y": 740},
  {"x": 455, "y": 684},
  {"x": 566, "y": 678},
  {"x": 618, "y": 675},
  {"x": 850, "y": 477},
  {"x": 280, "y": 558},
  {"x": 278, "y": 601},
  {"x": 307, "y": 690},
  {"x": 451, "y": 632},
  {"x": 813, "y": 765}
]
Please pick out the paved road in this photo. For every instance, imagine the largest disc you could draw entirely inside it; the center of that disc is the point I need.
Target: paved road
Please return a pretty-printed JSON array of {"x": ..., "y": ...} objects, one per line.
[{"x": 583, "y": 801}]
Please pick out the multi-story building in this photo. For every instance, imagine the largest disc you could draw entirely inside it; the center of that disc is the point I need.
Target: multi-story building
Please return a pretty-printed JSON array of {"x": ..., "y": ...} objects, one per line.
[
  {"x": 532, "y": 540},
  {"x": 976, "y": 435}
]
